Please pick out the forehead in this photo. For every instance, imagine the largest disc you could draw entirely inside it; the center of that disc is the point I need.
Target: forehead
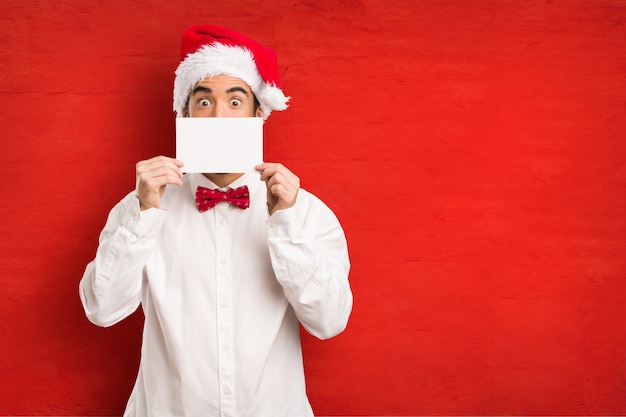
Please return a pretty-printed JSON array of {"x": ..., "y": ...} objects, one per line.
[{"x": 222, "y": 83}]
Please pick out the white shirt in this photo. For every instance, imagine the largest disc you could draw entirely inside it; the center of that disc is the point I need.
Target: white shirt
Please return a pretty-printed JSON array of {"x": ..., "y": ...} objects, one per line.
[{"x": 222, "y": 293}]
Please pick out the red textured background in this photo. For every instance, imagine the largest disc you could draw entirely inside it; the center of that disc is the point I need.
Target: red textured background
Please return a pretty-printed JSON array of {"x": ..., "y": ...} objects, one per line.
[{"x": 474, "y": 151}]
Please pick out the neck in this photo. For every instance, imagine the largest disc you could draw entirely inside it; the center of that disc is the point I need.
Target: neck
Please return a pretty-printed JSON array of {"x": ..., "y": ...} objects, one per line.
[{"x": 223, "y": 180}]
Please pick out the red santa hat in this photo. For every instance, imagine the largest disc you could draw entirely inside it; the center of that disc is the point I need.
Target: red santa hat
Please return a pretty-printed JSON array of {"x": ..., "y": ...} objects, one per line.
[{"x": 207, "y": 51}]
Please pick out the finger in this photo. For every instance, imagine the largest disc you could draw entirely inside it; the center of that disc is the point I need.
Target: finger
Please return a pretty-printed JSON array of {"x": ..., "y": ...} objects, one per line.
[
  {"x": 156, "y": 162},
  {"x": 289, "y": 180},
  {"x": 268, "y": 169},
  {"x": 160, "y": 171},
  {"x": 155, "y": 178},
  {"x": 157, "y": 181},
  {"x": 283, "y": 197},
  {"x": 283, "y": 190},
  {"x": 280, "y": 192},
  {"x": 156, "y": 170},
  {"x": 158, "y": 165},
  {"x": 162, "y": 158},
  {"x": 277, "y": 179},
  {"x": 261, "y": 167}
]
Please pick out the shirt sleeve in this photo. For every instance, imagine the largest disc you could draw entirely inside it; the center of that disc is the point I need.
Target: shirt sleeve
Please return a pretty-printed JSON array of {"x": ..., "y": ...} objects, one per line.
[
  {"x": 310, "y": 259},
  {"x": 110, "y": 289}
]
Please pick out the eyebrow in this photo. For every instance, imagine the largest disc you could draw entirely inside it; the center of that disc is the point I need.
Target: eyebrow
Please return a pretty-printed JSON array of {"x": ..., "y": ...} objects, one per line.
[
  {"x": 200, "y": 88},
  {"x": 207, "y": 90},
  {"x": 235, "y": 89}
]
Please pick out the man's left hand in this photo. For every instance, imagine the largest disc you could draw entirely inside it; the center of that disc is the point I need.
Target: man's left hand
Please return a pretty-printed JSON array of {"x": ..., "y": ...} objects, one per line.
[{"x": 282, "y": 186}]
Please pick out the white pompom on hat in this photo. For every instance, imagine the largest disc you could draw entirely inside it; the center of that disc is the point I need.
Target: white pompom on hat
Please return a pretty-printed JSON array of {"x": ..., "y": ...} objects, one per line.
[{"x": 208, "y": 50}]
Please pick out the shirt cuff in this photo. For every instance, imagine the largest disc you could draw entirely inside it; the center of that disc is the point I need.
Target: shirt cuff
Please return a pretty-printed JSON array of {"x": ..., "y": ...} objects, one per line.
[
  {"x": 146, "y": 223},
  {"x": 286, "y": 223}
]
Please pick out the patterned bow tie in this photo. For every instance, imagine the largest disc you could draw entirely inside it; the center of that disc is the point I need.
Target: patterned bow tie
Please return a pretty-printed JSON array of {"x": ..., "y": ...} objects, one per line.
[{"x": 207, "y": 198}]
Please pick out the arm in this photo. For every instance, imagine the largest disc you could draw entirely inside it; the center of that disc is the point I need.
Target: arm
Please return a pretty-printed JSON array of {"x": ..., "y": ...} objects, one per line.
[
  {"x": 310, "y": 259},
  {"x": 110, "y": 289},
  {"x": 309, "y": 253}
]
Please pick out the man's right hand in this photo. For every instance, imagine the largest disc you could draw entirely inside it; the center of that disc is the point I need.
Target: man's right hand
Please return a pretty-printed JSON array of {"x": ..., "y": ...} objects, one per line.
[{"x": 152, "y": 177}]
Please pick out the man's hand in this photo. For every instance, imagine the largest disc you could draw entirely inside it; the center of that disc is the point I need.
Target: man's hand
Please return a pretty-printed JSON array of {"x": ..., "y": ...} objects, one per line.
[
  {"x": 282, "y": 186},
  {"x": 152, "y": 176}
]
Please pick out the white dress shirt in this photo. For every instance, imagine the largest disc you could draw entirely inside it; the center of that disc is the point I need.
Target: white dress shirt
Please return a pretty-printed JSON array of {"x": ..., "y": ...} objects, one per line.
[{"x": 222, "y": 293}]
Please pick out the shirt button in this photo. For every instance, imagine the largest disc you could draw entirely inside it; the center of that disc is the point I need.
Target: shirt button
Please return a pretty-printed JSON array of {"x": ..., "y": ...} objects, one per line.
[
  {"x": 222, "y": 222},
  {"x": 226, "y": 390}
]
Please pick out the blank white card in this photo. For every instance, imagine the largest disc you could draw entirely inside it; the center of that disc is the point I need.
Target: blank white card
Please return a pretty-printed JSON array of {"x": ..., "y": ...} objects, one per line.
[{"x": 219, "y": 144}]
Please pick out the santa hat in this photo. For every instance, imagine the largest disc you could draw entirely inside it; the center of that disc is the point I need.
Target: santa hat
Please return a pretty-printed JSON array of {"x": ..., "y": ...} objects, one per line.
[{"x": 207, "y": 51}]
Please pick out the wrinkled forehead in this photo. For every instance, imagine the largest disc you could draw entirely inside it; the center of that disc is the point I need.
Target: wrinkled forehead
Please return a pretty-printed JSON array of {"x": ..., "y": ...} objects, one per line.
[
  {"x": 222, "y": 83},
  {"x": 226, "y": 86}
]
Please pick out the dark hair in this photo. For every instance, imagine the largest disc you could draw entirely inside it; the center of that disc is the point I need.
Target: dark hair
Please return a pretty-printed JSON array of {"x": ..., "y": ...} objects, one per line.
[{"x": 256, "y": 103}]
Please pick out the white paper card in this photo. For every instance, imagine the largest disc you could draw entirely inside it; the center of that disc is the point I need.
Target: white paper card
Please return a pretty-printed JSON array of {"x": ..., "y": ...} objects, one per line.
[{"x": 219, "y": 144}]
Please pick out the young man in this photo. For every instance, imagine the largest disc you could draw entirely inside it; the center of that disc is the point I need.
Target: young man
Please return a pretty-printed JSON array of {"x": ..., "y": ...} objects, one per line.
[{"x": 223, "y": 286}]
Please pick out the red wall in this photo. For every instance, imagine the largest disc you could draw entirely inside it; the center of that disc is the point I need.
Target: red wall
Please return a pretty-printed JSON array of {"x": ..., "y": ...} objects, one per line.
[{"x": 475, "y": 152}]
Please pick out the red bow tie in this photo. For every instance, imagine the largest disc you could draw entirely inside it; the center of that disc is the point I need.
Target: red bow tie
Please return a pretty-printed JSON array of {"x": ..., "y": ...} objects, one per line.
[{"x": 207, "y": 198}]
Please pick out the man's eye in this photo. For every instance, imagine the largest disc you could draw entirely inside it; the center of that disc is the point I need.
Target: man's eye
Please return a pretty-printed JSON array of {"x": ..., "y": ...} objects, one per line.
[
  {"x": 235, "y": 102},
  {"x": 204, "y": 102}
]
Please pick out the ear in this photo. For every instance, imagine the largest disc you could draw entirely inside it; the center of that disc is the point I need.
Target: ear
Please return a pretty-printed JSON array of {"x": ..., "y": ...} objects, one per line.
[
  {"x": 185, "y": 112},
  {"x": 259, "y": 112}
]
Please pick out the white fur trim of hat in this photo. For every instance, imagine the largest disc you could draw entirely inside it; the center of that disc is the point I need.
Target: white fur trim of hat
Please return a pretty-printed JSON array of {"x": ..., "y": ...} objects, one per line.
[{"x": 232, "y": 60}]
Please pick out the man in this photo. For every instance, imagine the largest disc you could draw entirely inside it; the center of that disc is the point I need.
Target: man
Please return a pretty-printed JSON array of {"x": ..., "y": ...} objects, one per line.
[{"x": 223, "y": 286}]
